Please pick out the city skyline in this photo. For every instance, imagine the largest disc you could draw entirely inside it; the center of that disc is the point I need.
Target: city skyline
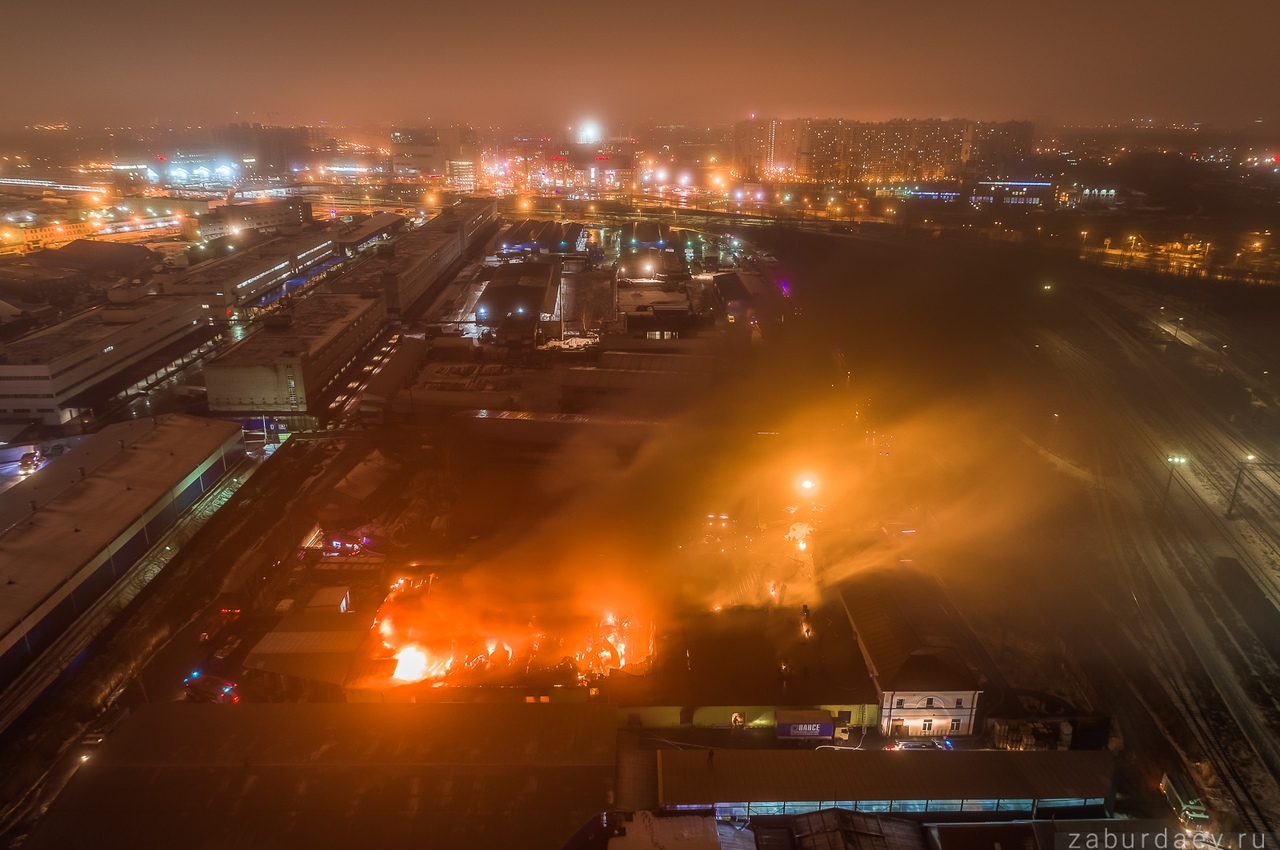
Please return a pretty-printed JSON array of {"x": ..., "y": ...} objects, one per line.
[{"x": 293, "y": 63}]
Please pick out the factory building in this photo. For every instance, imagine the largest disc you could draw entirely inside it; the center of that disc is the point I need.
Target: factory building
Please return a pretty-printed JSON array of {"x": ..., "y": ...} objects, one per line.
[
  {"x": 44, "y": 374},
  {"x": 377, "y": 777},
  {"x": 543, "y": 237},
  {"x": 228, "y": 286},
  {"x": 404, "y": 268},
  {"x": 266, "y": 215},
  {"x": 749, "y": 668},
  {"x": 285, "y": 366},
  {"x": 75, "y": 527},
  {"x": 520, "y": 293},
  {"x": 362, "y": 235},
  {"x": 407, "y": 266},
  {"x": 993, "y": 784}
]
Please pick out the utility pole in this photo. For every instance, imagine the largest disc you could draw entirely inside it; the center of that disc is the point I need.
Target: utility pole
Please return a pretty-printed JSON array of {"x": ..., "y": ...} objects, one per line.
[
  {"x": 1174, "y": 462},
  {"x": 1235, "y": 491}
]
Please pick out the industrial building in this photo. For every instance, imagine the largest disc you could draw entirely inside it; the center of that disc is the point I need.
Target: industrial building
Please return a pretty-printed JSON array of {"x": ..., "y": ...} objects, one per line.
[
  {"x": 918, "y": 652},
  {"x": 480, "y": 776},
  {"x": 748, "y": 783},
  {"x": 58, "y": 275},
  {"x": 841, "y": 829},
  {"x": 638, "y": 235},
  {"x": 285, "y": 366},
  {"x": 520, "y": 293},
  {"x": 743, "y": 667},
  {"x": 447, "y": 386},
  {"x": 44, "y": 372},
  {"x": 543, "y": 237},
  {"x": 75, "y": 527},
  {"x": 407, "y": 266},
  {"x": 228, "y": 285},
  {"x": 361, "y": 235},
  {"x": 264, "y": 215}
]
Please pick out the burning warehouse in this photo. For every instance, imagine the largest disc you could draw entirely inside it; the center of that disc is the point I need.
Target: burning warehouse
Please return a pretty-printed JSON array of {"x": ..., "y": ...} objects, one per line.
[{"x": 438, "y": 634}]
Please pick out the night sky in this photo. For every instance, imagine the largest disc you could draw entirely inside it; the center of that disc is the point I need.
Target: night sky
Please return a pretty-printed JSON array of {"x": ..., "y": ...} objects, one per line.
[{"x": 554, "y": 63}]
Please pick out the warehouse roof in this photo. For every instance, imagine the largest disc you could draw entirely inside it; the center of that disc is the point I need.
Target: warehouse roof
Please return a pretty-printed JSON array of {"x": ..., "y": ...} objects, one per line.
[
  {"x": 96, "y": 257},
  {"x": 751, "y": 656},
  {"x": 88, "y": 329},
  {"x": 687, "y": 777},
  {"x": 908, "y": 631},
  {"x": 402, "y": 254},
  {"x": 312, "y": 322},
  {"x": 228, "y": 271},
  {"x": 317, "y": 645},
  {"x": 840, "y": 829},
  {"x": 127, "y": 468},
  {"x": 356, "y": 234},
  {"x": 341, "y": 775}
]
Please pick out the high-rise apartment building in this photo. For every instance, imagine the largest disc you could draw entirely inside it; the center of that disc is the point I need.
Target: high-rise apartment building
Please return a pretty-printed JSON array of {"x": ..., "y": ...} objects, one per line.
[
  {"x": 834, "y": 151},
  {"x": 765, "y": 148}
]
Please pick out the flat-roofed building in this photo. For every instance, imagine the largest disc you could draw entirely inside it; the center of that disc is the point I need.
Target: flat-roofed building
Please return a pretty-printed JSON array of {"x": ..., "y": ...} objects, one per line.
[
  {"x": 355, "y": 237},
  {"x": 749, "y": 783},
  {"x": 480, "y": 776},
  {"x": 42, "y": 373},
  {"x": 228, "y": 284},
  {"x": 406, "y": 267},
  {"x": 75, "y": 527},
  {"x": 285, "y": 366},
  {"x": 747, "y": 667},
  {"x": 264, "y": 215},
  {"x": 520, "y": 293}
]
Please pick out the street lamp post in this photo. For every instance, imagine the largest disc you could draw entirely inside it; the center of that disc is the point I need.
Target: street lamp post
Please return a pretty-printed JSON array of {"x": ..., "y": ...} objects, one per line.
[
  {"x": 1236, "y": 489},
  {"x": 1174, "y": 462}
]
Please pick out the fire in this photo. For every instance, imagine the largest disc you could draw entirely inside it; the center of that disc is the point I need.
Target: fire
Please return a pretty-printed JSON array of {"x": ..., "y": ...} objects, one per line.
[
  {"x": 413, "y": 664},
  {"x": 440, "y": 633}
]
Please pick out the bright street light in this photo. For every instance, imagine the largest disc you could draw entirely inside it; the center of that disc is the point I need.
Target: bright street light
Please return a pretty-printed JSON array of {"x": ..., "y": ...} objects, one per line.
[
  {"x": 1174, "y": 462},
  {"x": 1235, "y": 491}
]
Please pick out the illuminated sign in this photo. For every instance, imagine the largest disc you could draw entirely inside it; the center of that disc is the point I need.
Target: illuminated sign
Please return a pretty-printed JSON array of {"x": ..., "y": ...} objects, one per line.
[{"x": 806, "y": 730}]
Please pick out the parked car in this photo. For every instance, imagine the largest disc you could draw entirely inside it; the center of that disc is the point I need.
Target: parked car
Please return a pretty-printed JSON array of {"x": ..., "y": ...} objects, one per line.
[{"x": 929, "y": 744}]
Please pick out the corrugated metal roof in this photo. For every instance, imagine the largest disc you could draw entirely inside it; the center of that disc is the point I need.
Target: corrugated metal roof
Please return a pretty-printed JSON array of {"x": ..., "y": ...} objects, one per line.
[
  {"x": 840, "y": 829},
  {"x": 745, "y": 776}
]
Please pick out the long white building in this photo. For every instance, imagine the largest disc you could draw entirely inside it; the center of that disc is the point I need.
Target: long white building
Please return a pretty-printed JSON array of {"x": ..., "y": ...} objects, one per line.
[{"x": 43, "y": 372}]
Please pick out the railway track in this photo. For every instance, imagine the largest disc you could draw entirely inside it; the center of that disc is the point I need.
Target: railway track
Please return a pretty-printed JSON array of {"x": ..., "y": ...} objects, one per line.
[{"x": 1143, "y": 564}]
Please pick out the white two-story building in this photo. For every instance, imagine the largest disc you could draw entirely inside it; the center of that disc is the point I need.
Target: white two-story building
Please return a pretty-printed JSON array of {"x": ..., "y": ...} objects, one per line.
[{"x": 917, "y": 652}]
